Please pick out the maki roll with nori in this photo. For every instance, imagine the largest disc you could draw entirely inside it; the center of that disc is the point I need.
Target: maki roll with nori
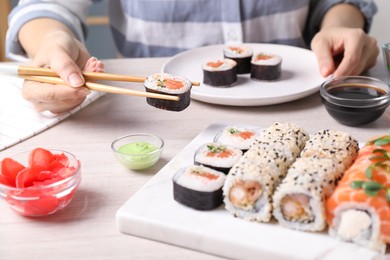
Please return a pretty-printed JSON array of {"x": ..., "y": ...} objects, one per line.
[
  {"x": 217, "y": 156},
  {"x": 266, "y": 66},
  {"x": 164, "y": 83},
  {"x": 198, "y": 187},
  {"x": 242, "y": 55},
  {"x": 236, "y": 136},
  {"x": 220, "y": 73}
]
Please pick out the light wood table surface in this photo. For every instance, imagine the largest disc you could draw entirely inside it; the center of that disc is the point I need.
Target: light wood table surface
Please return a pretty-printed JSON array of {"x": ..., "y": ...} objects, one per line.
[{"x": 86, "y": 228}]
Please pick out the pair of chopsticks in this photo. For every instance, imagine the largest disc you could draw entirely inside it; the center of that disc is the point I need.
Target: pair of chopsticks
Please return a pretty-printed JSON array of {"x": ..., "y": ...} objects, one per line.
[{"x": 46, "y": 75}]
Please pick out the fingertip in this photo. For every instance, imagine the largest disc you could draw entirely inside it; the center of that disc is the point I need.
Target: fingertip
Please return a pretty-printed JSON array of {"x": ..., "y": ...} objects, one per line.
[
  {"x": 325, "y": 71},
  {"x": 75, "y": 79}
]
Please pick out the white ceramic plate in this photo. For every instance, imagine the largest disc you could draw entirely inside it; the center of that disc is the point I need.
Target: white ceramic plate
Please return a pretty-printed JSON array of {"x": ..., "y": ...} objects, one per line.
[
  {"x": 153, "y": 213},
  {"x": 300, "y": 76}
]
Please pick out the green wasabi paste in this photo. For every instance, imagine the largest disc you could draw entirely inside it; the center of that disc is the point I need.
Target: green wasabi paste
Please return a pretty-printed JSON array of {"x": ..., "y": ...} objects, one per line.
[
  {"x": 137, "y": 148},
  {"x": 139, "y": 155}
]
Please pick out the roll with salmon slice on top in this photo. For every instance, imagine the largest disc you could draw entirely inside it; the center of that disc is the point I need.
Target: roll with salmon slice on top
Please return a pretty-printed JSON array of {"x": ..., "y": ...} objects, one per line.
[
  {"x": 359, "y": 209},
  {"x": 220, "y": 73},
  {"x": 164, "y": 83}
]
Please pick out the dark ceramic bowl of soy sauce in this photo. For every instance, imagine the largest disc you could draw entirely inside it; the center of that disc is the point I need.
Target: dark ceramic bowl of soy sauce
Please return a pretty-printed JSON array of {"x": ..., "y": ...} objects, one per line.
[{"x": 355, "y": 100}]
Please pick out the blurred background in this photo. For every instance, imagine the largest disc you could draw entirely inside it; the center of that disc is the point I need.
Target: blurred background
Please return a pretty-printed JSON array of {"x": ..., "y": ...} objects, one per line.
[{"x": 101, "y": 45}]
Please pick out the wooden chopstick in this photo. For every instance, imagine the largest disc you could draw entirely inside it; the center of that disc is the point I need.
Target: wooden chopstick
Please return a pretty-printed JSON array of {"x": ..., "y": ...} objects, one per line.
[
  {"x": 102, "y": 88},
  {"x": 89, "y": 76}
]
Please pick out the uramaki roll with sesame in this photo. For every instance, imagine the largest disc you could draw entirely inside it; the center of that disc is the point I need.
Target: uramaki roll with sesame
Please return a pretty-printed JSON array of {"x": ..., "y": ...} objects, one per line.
[
  {"x": 299, "y": 201},
  {"x": 252, "y": 180},
  {"x": 332, "y": 144}
]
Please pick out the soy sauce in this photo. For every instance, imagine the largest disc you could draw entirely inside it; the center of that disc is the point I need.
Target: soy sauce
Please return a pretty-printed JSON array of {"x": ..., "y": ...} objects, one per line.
[
  {"x": 356, "y": 91},
  {"x": 369, "y": 109}
]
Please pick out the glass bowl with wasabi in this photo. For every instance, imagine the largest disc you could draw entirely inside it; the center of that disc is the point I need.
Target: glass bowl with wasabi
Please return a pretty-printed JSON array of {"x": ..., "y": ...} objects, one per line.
[{"x": 138, "y": 151}]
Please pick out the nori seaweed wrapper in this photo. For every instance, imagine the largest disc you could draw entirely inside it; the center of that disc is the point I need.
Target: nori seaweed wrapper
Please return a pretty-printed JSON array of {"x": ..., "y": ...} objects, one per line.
[
  {"x": 223, "y": 78},
  {"x": 266, "y": 72},
  {"x": 171, "y": 105},
  {"x": 199, "y": 200},
  {"x": 243, "y": 64}
]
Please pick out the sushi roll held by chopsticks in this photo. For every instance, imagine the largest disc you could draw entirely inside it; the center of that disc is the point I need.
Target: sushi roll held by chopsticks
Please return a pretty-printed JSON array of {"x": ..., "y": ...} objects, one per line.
[{"x": 164, "y": 83}]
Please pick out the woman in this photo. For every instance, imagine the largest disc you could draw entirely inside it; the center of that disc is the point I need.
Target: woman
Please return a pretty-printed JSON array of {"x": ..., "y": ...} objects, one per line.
[{"x": 51, "y": 33}]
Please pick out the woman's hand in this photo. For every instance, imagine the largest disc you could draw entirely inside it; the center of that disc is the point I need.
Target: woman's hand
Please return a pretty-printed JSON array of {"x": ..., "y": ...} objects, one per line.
[
  {"x": 341, "y": 46},
  {"x": 68, "y": 57},
  {"x": 344, "y": 51}
]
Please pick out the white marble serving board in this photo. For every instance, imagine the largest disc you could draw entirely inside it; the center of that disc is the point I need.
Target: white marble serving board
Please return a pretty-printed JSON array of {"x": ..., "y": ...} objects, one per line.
[{"x": 152, "y": 213}]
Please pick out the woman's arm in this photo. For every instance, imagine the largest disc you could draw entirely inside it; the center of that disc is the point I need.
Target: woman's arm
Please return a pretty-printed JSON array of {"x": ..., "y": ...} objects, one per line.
[{"x": 343, "y": 15}]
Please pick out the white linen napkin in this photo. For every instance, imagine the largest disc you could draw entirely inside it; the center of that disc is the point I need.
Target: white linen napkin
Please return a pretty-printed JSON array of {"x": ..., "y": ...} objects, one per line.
[{"x": 18, "y": 118}]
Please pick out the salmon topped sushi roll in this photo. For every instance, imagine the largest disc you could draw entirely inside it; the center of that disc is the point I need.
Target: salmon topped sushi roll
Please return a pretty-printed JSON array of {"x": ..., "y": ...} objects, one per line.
[
  {"x": 359, "y": 209},
  {"x": 198, "y": 187},
  {"x": 236, "y": 136},
  {"x": 164, "y": 83},
  {"x": 241, "y": 54},
  {"x": 266, "y": 66},
  {"x": 217, "y": 156},
  {"x": 220, "y": 73}
]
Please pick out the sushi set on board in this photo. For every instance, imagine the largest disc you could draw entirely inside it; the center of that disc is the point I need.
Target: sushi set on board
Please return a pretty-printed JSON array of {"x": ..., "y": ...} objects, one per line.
[
  {"x": 284, "y": 193},
  {"x": 295, "y": 75}
]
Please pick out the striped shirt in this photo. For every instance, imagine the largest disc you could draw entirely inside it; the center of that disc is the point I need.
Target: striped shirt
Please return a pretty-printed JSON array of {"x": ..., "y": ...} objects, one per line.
[{"x": 157, "y": 28}]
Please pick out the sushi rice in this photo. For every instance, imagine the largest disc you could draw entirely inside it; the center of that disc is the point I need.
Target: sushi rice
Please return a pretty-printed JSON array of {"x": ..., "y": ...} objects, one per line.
[
  {"x": 236, "y": 136},
  {"x": 217, "y": 156}
]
